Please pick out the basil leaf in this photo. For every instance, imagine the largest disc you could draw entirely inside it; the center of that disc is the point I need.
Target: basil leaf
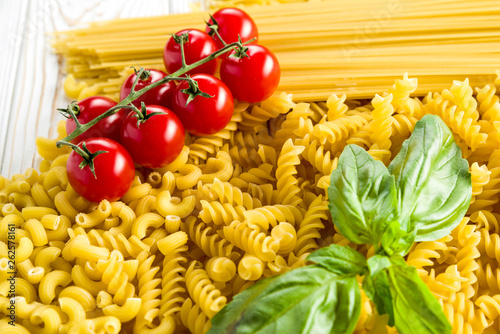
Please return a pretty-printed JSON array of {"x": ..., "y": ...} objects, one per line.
[
  {"x": 376, "y": 285},
  {"x": 362, "y": 196},
  {"x": 305, "y": 300},
  {"x": 396, "y": 241},
  {"x": 341, "y": 260},
  {"x": 433, "y": 181},
  {"x": 416, "y": 310}
]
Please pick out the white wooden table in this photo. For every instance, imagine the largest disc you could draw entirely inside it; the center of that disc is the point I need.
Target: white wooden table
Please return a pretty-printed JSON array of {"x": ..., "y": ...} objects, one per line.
[{"x": 31, "y": 75}]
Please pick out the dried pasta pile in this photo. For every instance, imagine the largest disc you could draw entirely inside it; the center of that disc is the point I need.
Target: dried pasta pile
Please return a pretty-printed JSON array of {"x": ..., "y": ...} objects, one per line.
[
  {"x": 344, "y": 47},
  {"x": 233, "y": 208}
]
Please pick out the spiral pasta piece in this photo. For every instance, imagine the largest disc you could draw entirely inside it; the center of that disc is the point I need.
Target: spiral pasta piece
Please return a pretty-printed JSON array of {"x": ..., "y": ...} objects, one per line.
[
  {"x": 220, "y": 269},
  {"x": 203, "y": 292},
  {"x": 210, "y": 243},
  {"x": 252, "y": 241},
  {"x": 310, "y": 226},
  {"x": 220, "y": 214},
  {"x": 173, "y": 280},
  {"x": 286, "y": 183},
  {"x": 194, "y": 318},
  {"x": 458, "y": 121}
]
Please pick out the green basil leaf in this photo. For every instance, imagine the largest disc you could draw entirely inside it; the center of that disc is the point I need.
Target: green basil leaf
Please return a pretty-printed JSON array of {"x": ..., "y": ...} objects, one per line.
[
  {"x": 416, "y": 310},
  {"x": 362, "y": 196},
  {"x": 305, "y": 300},
  {"x": 433, "y": 181},
  {"x": 376, "y": 285},
  {"x": 396, "y": 241},
  {"x": 341, "y": 260}
]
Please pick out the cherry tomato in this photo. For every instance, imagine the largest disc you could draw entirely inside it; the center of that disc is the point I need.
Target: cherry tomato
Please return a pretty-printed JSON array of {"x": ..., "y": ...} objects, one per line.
[
  {"x": 114, "y": 171},
  {"x": 198, "y": 46},
  {"x": 231, "y": 23},
  {"x": 161, "y": 95},
  {"x": 156, "y": 142},
  {"x": 90, "y": 108},
  {"x": 204, "y": 115},
  {"x": 253, "y": 78}
]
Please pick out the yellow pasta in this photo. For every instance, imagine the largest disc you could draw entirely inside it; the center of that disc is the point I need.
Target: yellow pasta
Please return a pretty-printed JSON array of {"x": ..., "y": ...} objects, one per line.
[
  {"x": 250, "y": 268},
  {"x": 220, "y": 269},
  {"x": 168, "y": 205},
  {"x": 36, "y": 231},
  {"x": 172, "y": 242},
  {"x": 250, "y": 202},
  {"x": 145, "y": 221},
  {"x": 96, "y": 217},
  {"x": 125, "y": 312},
  {"x": 47, "y": 288}
]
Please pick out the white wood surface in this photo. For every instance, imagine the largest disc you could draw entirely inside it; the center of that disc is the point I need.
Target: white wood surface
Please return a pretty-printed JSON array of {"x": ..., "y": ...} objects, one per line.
[{"x": 31, "y": 75}]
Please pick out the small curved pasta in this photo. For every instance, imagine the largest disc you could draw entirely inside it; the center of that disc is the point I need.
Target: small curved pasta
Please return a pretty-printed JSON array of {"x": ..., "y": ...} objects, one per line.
[
  {"x": 220, "y": 167},
  {"x": 188, "y": 176},
  {"x": 126, "y": 215},
  {"x": 80, "y": 295},
  {"x": 29, "y": 272},
  {"x": 47, "y": 288},
  {"x": 137, "y": 191},
  {"x": 74, "y": 311},
  {"x": 145, "y": 221},
  {"x": 126, "y": 312},
  {"x": 168, "y": 205},
  {"x": 168, "y": 183},
  {"x": 172, "y": 242},
  {"x": 96, "y": 217}
]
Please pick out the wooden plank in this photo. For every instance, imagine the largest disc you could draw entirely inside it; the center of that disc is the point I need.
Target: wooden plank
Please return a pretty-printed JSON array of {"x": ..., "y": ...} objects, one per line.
[{"x": 32, "y": 77}]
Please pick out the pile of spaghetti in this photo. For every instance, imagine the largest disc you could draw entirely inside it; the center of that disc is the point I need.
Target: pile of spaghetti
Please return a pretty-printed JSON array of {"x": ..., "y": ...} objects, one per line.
[
  {"x": 344, "y": 47},
  {"x": 251, "y": 202}
]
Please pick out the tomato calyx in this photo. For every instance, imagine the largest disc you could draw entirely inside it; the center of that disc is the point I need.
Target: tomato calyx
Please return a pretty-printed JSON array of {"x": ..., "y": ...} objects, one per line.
[
  {"x": 240, "y": 52},
  {"x": 141, "y": 73},
  {"x": 181, "y": 39},
  {"x": 71, "y": 111},
  {"x": 142, "y": 115},
  {"x": 214, "y": 29},
  {"x": 193, "y": 91},
  {"x": 87, "y": 156}
]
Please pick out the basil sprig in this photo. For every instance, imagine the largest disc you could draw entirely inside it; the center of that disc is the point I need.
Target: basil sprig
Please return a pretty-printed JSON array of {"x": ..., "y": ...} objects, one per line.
[{"x": 423, "y": 195}]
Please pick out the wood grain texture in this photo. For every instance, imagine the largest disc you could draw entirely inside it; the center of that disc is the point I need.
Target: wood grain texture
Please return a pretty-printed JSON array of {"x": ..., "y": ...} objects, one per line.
[{"x": 31, "y": 80}]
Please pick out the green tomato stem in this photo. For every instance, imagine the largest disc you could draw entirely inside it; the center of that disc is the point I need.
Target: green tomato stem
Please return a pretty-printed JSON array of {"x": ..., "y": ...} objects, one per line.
[{"x": 125, "y": 103}]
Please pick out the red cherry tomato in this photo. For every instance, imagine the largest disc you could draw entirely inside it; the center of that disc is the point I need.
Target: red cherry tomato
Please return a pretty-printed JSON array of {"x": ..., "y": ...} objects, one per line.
[
  {"x": 231, "y": 23},
  {"x": 161, "y": 95},
  {"x": 199, "y": 46},
  {"x": 156, "y": 142},
  {"x": 114, "y": 171},
  {"x": 204, "y": 116},
  {"x": 89, "y": 109},
  {"x": 253, "y": 78}
]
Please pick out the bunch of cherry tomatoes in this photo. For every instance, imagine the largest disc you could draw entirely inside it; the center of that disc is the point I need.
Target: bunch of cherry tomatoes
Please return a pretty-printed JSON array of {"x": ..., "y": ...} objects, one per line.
[{"x": 202, "y": 105}]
